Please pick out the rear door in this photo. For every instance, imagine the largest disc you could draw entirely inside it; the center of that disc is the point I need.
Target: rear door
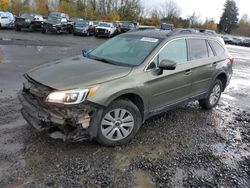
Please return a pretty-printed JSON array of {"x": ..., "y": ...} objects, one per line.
[
  {"x": 201, "y": 60},
  {"x": 173, "y": 86}
]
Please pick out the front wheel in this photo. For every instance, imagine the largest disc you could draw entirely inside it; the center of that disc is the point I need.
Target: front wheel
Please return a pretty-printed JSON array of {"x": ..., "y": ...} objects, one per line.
[
  {"x": 119, "y": 123},
  {"x": 213, "y": 96},
  {"x": 17, "y": 28},
  {"x": 43, "y": 30}
]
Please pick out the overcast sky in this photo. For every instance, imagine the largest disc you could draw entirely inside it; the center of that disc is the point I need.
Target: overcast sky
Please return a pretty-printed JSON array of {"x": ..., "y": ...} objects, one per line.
[{"x": 205, "y": 9}]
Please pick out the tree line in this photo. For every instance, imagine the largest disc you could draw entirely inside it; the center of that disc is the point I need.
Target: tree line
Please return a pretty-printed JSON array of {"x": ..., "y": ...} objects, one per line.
[{"x": 133, "y": 10}]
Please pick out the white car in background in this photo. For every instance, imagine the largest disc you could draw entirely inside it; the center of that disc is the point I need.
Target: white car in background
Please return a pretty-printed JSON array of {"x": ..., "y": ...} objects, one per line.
[
  {"x": 105, "y": 29},
  {"x": 6, "y": 20}
]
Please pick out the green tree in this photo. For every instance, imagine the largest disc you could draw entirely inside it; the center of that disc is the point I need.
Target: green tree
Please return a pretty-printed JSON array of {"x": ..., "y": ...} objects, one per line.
[
  {"x": 113, "y": 16},
  {"x": 210, "y": 24},
  {"x": 42, "y": 7},
  {"x": 229, "y": 18},
  {"x": 4, "y": 4},
  {"x": 25, "y": 6},
  {"x": 243, "y": 27},
  {"x": 130, "y": 10},
  {"x": 15, "y": 7}
]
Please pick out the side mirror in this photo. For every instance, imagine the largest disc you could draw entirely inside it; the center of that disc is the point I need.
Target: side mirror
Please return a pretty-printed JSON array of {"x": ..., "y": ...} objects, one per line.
[
  {"x": 167, "y": 65},
  {"x": 86, "y": 52}
]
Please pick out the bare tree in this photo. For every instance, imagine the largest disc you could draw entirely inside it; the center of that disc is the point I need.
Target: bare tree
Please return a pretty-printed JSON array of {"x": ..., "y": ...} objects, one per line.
[{"x": 170, "y": 9}]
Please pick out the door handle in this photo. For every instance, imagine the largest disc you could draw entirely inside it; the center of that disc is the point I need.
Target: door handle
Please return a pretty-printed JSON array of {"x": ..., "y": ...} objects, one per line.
[
  {"x": 214, "y": 64},
  {"x": 188, "y": 72}
]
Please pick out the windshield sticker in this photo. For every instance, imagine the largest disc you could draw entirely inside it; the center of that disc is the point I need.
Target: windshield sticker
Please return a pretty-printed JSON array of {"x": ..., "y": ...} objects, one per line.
[{"x": 146, "y": 39}]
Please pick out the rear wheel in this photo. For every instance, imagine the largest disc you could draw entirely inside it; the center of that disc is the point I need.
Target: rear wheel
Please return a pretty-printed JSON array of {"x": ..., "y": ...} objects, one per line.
[
  {"x": 17, "y": 28},
  {"x": 119, "y": 124},
  {"x": 43, "y": 30},
  {"x": 31, "y": 28},
  {"x": 213, "y": 96}
]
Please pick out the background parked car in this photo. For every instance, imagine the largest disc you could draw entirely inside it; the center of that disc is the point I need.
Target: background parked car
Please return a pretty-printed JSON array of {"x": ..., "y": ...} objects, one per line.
[
  {"x": 128, "y": 26},
  {"x": 237, "y": 41},
  {"x": 105, "y": 29},
  {"x": 227, "y": 39},
  {"x": 246, "y": 42},
  {"x": 30, "y": 21},
  {"x": 6, "y": 20},
  {"x": 166, "y": 26},
  {"x": 86, "y": 28},
  {"x": 76, "y": 20},
  {"x": 58, "y": 23}
]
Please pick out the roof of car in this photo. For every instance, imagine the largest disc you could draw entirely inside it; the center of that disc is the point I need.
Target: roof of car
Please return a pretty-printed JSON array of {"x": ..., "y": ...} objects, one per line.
[
  {"x": 153, "y": 33},
  {"x": 157, "y": 33}
]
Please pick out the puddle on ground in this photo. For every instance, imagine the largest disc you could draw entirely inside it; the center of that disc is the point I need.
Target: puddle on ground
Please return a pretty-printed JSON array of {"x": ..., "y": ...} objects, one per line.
[
  {"x": 123, "y": 158},
  {"x": 229, "y": 154},
  {"x": 142, "y": 180}
]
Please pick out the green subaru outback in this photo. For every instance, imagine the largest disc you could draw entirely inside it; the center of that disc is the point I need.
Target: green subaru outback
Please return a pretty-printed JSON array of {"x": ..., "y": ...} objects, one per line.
[{"x": 107, "y": 93}]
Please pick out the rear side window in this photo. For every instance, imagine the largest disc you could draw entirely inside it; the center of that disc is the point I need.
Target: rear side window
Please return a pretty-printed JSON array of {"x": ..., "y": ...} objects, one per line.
[
  {"x": 219, "y": 50},
  {"x": 210, "y": 51},
  {"x": 197, "y": 49}
]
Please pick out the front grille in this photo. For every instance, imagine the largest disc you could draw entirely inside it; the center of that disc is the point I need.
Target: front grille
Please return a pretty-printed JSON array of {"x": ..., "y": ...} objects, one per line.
[{"x": 102, "y": 31}]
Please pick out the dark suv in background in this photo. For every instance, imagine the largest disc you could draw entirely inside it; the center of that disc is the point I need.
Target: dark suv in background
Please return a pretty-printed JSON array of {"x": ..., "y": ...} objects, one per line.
[
  {"x": 85, "y": 28},
  {"x": 108, "y": 93},
  {"x": 58, "y": 23},
  {"x": 29, "y": 21}
]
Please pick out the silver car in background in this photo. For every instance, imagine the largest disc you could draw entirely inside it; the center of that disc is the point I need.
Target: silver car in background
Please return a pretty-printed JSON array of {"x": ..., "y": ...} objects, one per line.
[{"x": 6, "y": 20}]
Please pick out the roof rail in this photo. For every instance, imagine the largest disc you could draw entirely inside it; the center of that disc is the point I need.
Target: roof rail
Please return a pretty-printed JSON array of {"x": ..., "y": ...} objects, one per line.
[{"x": 183, "y": 31}]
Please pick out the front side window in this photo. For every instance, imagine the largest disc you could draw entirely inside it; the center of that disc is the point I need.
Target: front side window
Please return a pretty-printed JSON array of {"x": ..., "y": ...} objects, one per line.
[
  {"x": 175, "y": 51},
  {"x": 198, "y": 49}
]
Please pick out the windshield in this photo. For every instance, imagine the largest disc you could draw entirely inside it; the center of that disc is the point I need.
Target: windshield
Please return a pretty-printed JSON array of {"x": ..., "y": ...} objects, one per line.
[
  {"x": 81, "y": 24},
  {"x": 54, "y": 19},
  {"x": 130, "y": 50},
  {"x": 167, "y": 26},
  {"x": 104, "y": 25},
  {"x": 127, "y": 25}
]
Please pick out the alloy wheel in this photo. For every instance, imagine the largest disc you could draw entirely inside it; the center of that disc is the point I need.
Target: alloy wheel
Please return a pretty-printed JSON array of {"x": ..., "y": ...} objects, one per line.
[{"x": 117, "y": 124}]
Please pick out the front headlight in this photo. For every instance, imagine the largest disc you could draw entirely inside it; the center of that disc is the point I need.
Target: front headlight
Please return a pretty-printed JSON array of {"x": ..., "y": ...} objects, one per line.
[{"x": 70, "y": 96}]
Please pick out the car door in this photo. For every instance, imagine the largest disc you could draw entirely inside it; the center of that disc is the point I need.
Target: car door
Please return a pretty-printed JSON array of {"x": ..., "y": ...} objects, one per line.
[
  {"x": 172, "y": 86},
  {"x": 201, "y": 60}
]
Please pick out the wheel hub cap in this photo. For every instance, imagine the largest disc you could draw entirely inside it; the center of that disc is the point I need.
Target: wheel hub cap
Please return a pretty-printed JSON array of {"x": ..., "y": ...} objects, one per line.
[
  {"x": 215, "y": 95},
  {"x": 117, "y": 124}
]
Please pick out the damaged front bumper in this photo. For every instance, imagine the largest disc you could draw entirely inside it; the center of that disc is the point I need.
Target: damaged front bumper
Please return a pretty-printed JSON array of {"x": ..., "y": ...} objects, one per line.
[{"x": 73, "y": 123}]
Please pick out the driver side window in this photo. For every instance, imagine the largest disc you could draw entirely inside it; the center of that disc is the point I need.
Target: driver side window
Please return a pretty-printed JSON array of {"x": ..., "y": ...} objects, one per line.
[{"x": 175, "y": 51}]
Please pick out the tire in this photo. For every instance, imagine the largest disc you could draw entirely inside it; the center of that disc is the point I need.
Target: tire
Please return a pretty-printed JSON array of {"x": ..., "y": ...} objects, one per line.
[
  {"x": 31, "y": 28},
  {"x": 43, "y": 30},
  {"x": 17, "y": 28},
  {"x": 119, "y": 123},
  {"x": 213, "y": 96}
]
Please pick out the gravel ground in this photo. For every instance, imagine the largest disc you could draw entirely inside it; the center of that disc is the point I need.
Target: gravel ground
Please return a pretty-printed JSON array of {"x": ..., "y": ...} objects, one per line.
[{"x": 184, "y": 147}]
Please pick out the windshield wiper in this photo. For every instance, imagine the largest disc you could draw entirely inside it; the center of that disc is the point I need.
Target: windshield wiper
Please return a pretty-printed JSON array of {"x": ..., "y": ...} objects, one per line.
[{"x": 104, "y": 60}]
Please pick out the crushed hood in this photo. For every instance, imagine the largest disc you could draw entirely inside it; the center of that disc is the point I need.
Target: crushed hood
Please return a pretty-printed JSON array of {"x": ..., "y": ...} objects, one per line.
[{"x": 76, "y": 72}]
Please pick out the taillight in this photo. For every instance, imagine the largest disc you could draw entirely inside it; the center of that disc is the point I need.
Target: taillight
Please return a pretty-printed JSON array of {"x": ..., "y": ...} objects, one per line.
[{"x": 231, "y": 59}]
